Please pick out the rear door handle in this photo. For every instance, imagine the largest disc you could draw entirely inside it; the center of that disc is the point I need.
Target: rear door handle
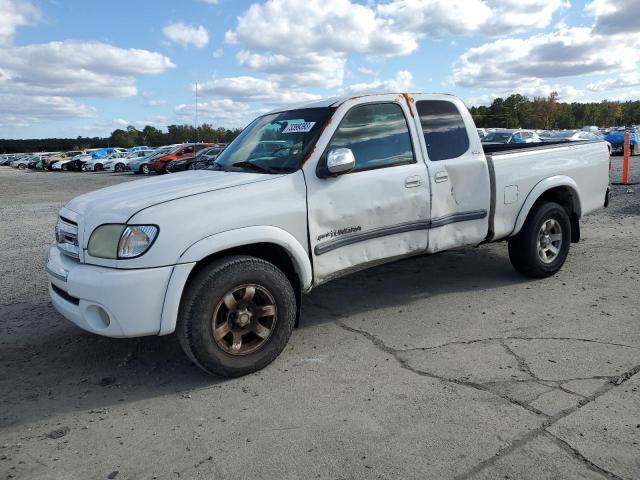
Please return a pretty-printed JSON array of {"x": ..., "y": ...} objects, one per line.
[
  {"x": 414, "y": 181},
  {"x": 441, "y": 177}
]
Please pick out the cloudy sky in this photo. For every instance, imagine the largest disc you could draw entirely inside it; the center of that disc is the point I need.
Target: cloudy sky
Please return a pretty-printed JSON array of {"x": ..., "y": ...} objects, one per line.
[{"x": 77, "y": 67}]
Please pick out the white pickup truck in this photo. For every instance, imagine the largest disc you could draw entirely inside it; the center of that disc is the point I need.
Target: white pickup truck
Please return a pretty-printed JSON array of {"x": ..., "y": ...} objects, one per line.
[{"x": 222, "y": 256}]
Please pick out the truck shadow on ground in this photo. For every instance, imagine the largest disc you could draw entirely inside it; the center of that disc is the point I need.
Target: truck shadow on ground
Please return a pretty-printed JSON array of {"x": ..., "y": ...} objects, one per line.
[{"x": 48, "y": 366}]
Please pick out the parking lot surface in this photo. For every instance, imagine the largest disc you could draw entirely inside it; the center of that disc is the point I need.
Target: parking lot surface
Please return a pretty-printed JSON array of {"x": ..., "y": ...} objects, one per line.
[{"x": 449, "y": 366}]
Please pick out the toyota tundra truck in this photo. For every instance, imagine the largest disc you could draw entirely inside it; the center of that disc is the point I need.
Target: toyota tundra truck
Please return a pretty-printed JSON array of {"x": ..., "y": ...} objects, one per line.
[{"x": 223, "y": 256}]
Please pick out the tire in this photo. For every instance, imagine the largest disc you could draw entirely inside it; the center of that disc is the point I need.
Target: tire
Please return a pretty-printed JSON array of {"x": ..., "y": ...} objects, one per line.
[
  {"x": 22, "y": 166},
  {"x": 118, "y": 168},
  {"x": 65, "y": 167},
  {"x": 97, "y": 167},
  {"x": 205, "y": 303},
  {"x": 547, "y": 222},
  {"x": 144, "y": 169}
]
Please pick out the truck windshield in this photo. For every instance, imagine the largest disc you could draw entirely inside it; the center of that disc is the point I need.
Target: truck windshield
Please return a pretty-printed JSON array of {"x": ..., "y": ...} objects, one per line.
[{"x": 274, "y": 143}]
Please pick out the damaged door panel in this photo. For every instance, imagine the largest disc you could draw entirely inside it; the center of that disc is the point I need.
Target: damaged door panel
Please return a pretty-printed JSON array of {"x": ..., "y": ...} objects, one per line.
[{"x": 378, "y": 210}]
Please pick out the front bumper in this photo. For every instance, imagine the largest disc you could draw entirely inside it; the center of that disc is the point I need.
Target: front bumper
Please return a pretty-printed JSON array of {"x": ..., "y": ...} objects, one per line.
[{"x": 107, "y": 301}]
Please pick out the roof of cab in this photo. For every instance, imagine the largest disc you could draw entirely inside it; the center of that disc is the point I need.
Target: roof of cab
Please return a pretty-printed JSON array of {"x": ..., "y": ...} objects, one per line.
[{"x": 337, "y": 101}]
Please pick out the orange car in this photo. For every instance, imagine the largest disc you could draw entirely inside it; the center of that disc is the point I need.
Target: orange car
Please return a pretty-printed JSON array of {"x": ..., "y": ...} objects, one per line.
[{"x": 159, "y": 165}]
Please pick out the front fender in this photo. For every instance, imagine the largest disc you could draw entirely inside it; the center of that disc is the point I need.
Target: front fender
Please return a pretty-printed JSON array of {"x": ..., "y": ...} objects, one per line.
[
  {"x": 539, "y": 189},
  {"x": 250, "y": 235},
  {"x": 224, "y": 241}
]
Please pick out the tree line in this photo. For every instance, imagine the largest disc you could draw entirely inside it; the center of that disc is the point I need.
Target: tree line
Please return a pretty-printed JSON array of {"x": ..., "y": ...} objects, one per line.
[
  {"x": 547, "y": 113},
  {"x": 125, "y": 138},
  {"x": 515, "y": 111}
]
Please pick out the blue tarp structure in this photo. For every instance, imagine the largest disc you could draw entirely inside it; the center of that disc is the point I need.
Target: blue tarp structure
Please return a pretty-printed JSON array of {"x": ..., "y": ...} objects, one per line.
[
  {"x": 617, "y": 137},
  {"x": 101, "y": 153}
]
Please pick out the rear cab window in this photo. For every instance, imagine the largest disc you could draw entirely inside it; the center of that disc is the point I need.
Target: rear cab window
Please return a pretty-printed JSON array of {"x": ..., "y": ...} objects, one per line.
[{"x": 445, "y": 133}]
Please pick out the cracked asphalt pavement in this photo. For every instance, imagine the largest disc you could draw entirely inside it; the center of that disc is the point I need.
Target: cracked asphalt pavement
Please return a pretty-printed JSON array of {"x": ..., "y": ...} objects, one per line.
[{"x": 449, "y": 366}]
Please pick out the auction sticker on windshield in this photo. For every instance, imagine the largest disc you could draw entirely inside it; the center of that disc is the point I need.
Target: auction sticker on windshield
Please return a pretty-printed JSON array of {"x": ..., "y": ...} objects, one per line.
[{"x": 302, "y": 127}]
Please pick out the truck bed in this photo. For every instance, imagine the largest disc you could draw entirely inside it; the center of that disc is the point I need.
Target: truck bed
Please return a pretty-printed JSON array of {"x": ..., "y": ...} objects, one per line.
[{"x": 516, "y": 170}]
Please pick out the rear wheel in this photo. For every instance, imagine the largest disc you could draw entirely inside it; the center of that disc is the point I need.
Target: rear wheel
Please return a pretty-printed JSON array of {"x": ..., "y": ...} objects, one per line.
[
  {"x": 119, "y": 167},
  {"x": 236, "y": 316},
  {"x": 98, "y": 167},
  {"x": 541, "y": 247},
  {"x": 144, "y": 169},
  {"x": 22, "y": 166}
]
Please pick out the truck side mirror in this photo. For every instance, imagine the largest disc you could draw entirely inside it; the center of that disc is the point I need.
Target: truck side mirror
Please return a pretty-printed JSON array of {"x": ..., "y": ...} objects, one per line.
[{"x": 340, "y": 160}]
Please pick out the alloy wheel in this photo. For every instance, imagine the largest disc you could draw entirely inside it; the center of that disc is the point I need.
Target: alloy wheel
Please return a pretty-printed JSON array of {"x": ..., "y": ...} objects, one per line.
[
  {"x": 549, "y": 240},
  {"x": 244, "y": 319}
]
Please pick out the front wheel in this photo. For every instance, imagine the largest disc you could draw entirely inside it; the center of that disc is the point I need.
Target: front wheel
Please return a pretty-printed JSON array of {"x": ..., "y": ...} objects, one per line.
[
  {"x": 144, "y": 169},
  {"x": 119, "y": 167},
  {"x": 236, "y": 316},
  {"x": 540, "y": 249}
]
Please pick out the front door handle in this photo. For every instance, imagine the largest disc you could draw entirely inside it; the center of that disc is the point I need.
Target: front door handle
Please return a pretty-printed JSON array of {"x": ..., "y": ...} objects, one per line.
[
  {"x": 414, "y": 181},
  {"x": 441, "y": 177}
]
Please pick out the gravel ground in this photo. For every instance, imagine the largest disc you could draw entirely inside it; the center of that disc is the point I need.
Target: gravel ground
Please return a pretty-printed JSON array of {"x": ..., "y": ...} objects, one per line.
[{"x": 449, "y": 366}]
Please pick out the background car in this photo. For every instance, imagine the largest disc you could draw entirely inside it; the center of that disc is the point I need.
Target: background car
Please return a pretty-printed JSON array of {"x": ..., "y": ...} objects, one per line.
[
  {"x": 159, "y": 164},
  {"x": 121, "y": 163},
  {"x": 187, "y": 163},
  {"x": 61, "y": 156},
  {"x": 616, "y": 139},
  {"x": 96, "y": 164},
  {"x": 70, "y": 164},
  {"x": 506, "y": 136},
  {"x": 141, "y": 165},
  {"x": 22, "y": 162}
]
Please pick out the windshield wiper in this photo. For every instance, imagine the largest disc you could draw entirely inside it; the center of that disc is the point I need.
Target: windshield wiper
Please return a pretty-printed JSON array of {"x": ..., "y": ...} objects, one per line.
[{"x": 253, "y": 166}]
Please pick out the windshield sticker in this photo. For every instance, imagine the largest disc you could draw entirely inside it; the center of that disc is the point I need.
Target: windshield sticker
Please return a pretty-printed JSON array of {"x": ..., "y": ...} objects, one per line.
[{"x": 299, "y": 127}]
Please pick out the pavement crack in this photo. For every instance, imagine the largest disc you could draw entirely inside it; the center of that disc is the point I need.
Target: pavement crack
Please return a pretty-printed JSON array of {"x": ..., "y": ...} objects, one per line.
[
  {"x": 574, "y": 452},
  {"x": 523, "y": 366},
  {"x": 499, "y": 339},
  {"x": 543, "y": 429},
  {"x": 405, "y": 364}
]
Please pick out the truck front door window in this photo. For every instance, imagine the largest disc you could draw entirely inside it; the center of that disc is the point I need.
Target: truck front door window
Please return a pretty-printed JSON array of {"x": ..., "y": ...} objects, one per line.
[
  {"x": 443, "y": 128},
  {"x": 377, "y": 134}
]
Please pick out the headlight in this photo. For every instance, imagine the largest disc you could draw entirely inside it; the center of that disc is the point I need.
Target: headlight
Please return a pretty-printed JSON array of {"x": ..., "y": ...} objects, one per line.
[{"x": 118, "y": 241}]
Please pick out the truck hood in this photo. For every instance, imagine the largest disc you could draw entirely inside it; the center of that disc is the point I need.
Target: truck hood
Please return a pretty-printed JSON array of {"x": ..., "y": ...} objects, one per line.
[{"x": 118, "y": 203}]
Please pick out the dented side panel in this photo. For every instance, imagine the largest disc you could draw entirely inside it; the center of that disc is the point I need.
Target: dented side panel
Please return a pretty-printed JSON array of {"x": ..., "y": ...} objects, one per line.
[
  {"x": 367, "y": 217},
  {"x": 460, "y": 188}
]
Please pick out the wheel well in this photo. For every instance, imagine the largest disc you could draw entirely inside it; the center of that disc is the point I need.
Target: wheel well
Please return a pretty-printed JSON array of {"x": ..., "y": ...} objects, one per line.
[
  {"x": 269, "y": 252},
  {"x": 568, "y": 198}
]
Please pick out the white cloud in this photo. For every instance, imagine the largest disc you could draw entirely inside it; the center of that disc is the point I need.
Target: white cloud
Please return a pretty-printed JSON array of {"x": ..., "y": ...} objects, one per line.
[
  {"x": 291, "y": 27},
  {"x": 21, "y": 111},
  {"x": 212, "y": 2},
  {"x": 442, "y": 18},
  {"x": 13, "y": 14},
  {"x": 218, "y": 53},
  {"x": 615, "y": 16},
  {"x": 184, "y": 35},
  {"x": 73, "y": 68},
  {"x": 628, "y": 80},
  {"x": 308, "y": 70},
  {"x": 252, "y": 89},
  {"x": 402, "y": 82},
  {"x": 514, "y": 62},
  {"x": 307, "y": 43},
  {"x": 224, "y": 112}
]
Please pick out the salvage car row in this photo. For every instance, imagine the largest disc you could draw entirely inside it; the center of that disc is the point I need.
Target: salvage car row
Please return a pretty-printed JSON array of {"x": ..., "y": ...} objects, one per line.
[
  {"x": 140, "y": 159},
  {"x": 614, "y": 137}
]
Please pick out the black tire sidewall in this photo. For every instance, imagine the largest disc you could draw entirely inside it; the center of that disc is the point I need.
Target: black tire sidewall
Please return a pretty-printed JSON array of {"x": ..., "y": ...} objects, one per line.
[
  {"x": 525, "y": 247},
  {"x": 203, "y": 294}
]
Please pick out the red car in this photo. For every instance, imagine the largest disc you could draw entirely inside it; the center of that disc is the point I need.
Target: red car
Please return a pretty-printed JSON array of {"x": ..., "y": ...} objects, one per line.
[{"x": 159, "y": 165}]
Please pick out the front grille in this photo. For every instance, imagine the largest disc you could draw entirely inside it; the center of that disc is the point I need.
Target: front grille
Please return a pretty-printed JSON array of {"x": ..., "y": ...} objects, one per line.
[
  {"x": 65, "y": 295},
  {"x": 67, "y": 237}
]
